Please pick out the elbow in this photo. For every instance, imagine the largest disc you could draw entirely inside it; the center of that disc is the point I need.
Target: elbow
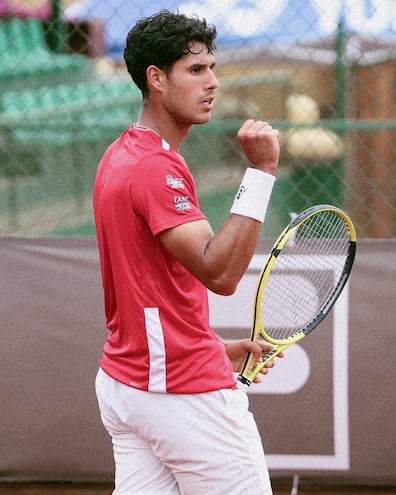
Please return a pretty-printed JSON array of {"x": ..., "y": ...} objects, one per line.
[
  {"x": 221, "y": 280},
  {"x": 223, "y": 287},
  {"x": 227, "y": 291}
]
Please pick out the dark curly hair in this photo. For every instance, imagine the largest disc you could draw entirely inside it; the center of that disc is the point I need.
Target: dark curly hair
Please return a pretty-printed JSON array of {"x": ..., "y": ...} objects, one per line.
[{"x": 161, "y": 40}]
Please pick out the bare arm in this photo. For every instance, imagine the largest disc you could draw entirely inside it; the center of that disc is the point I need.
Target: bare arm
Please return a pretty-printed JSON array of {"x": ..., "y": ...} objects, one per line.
[{"x": 220, "y": 260}]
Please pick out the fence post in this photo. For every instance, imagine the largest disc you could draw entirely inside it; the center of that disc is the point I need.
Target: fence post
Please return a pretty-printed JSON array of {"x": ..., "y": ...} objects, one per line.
[{"x": 56, "y": 30}]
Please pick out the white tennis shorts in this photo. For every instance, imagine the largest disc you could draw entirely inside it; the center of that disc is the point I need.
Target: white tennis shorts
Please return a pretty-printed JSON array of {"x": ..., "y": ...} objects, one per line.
[{"x": 178, "y": 444}]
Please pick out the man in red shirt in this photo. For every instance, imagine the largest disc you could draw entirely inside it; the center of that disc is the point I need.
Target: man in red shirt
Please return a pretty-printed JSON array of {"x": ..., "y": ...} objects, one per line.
[{"x": 166, "y": 389}]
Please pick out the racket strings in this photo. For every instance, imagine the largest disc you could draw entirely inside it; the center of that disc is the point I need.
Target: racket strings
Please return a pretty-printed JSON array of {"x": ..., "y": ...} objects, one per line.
[
  {"x": 328, "y": 228},
  {"x": 305, "y": 275}
]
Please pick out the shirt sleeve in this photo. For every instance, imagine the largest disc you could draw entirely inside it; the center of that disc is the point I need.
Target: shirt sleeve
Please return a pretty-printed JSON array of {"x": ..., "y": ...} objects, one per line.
[{"x": 163, "y": 192}]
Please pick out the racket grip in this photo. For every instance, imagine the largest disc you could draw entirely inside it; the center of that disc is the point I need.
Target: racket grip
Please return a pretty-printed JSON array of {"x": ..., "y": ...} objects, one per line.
[
  {"x": 247, "y": 378},
  {"x": 247, "y": 371},
  {"x": 244, "y": 379},
  {"x": 252, "y": 369},
  {"x": 251, "y": 372}
]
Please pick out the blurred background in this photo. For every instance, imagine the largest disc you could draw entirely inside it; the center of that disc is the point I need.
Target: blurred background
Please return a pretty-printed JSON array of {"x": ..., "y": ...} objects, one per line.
[{"x": 323, "y": 72}]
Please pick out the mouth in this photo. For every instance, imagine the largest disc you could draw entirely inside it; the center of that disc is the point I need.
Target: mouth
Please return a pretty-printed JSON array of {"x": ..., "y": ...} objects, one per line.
[{"x": 209, "y": 101}]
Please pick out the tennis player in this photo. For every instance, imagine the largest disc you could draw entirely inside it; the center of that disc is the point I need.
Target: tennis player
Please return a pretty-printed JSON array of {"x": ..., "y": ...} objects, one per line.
[{"x": 166, "y": 389}]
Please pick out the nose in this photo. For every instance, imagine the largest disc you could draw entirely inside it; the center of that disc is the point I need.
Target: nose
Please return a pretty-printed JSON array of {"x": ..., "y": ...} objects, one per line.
[{"x": 213, "y": 82}]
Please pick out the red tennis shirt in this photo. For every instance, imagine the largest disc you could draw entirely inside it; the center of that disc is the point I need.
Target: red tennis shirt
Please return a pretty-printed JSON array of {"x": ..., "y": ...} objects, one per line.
[{"x": 157, "y": 312}]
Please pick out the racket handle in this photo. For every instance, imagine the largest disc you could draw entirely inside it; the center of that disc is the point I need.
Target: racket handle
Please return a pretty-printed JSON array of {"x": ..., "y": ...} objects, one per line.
[
  {"x": 245, "y": 375},
  {"x": 244, "y": 380},
  {"x": 253, "y": 369},
  {"x": 267, "y": 357}
]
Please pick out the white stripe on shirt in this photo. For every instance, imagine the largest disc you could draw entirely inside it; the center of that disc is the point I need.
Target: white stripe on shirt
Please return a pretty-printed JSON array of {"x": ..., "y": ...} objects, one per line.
[{"x": 156, "y": 345}]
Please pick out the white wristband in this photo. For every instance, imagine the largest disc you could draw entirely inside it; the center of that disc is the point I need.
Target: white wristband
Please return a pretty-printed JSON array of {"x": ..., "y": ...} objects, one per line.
[{"x": 253, "y": 194}]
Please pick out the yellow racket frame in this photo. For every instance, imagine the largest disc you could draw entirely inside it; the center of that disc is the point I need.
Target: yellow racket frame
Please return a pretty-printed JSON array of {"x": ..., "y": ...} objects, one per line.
[{"x": 251, "y": 368}]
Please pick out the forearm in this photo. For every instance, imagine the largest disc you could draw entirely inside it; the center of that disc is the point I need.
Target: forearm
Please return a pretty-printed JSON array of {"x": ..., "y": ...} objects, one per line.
[
  {"x": 228, "y": 253},
  {"x": 232, "y": 248}
]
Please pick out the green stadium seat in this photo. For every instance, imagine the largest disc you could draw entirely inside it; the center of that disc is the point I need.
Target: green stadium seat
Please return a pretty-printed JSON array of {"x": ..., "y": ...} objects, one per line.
[
  {"x": 86, "y": 111},
  {"x": 26, "y": 59}
]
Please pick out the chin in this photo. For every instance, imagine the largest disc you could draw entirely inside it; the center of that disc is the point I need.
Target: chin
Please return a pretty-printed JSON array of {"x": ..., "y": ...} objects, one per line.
[{"x": 204, "y": 119}]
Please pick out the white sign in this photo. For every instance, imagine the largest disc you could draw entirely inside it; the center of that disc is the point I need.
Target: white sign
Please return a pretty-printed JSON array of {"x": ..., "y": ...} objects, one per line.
[{"x": 291, "y": 373}]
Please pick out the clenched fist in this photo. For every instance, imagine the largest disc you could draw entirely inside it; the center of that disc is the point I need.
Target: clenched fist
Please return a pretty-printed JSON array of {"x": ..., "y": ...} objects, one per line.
[{"x": 260, "y": 143}]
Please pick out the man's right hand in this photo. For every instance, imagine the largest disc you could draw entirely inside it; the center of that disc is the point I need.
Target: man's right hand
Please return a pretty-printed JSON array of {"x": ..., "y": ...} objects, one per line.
[{"x": 260, "y": 143}]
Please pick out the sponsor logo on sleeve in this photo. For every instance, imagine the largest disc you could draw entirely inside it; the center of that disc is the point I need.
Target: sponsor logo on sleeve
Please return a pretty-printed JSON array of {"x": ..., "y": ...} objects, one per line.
[
  {"x": 182, "y": 203},
  {"x": 174, "y": 182}
]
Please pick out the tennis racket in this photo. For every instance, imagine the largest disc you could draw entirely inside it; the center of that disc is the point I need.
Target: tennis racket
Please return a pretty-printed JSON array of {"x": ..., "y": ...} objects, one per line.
[{"x": 302, "y": 278}]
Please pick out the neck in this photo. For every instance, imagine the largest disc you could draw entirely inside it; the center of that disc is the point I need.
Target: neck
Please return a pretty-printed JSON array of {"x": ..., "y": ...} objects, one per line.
[{"x": 163, "y": 124}]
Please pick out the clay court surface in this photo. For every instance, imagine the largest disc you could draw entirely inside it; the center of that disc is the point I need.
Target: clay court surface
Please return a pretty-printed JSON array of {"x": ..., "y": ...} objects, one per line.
[{"x": 280, "y": 488}]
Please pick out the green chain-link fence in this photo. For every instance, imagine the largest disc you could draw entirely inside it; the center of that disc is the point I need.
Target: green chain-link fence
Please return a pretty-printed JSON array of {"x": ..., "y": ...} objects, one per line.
[{"x": 64, "y": 96}]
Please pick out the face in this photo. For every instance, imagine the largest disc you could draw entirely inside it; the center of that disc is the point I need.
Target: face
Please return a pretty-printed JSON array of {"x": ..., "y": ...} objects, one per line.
[{"x": 190, "y": 86}]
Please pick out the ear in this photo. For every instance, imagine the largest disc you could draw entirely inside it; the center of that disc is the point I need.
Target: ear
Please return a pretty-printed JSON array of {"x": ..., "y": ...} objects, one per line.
[{"x": 155, "y": 78}]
